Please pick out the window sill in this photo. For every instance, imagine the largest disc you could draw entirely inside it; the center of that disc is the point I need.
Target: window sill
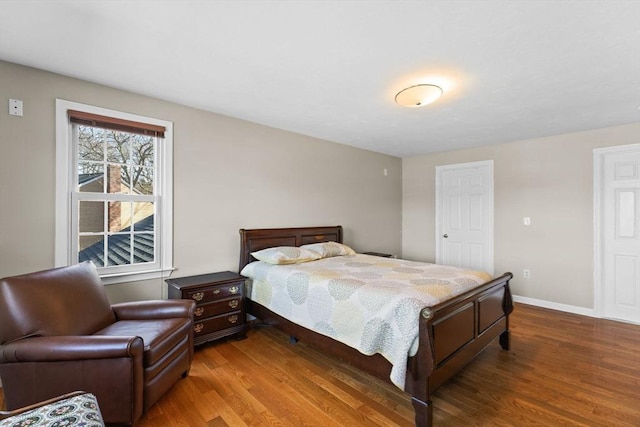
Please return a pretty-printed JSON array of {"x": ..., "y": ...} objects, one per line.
[{"x": 111, "y": 279}]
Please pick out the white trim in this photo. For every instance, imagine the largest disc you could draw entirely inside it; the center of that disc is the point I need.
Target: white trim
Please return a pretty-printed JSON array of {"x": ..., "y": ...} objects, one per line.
[
  {"x": 110, "y": 279},
  {"x": 439, "y": 171},
  {"x": 64, "y": 187},
  {"x": 565, "y": 308},
  {"x": 555, "y": 306},
  {"x": 598, "y": 181}
]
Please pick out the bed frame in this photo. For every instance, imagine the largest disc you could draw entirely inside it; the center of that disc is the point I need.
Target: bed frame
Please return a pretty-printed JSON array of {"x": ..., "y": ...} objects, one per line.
[{"x": 451, "y": 333}]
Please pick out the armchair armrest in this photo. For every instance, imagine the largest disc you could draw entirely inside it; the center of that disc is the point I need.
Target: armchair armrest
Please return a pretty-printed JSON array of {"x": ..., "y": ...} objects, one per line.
[
  {"x": 65, "y": 348},
  {"x": 154, "y": 309}
]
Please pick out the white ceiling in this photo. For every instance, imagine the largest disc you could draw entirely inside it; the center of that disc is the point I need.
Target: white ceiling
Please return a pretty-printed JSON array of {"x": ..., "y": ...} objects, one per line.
[{"x": 511, "y": 70}]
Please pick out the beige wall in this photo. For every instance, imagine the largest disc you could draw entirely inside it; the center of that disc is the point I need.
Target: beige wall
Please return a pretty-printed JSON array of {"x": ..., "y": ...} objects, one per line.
[
  {"x": 231, "y": 174},
  {"x": 547, "y": 179},
  {"x": 228, "y": 174}
]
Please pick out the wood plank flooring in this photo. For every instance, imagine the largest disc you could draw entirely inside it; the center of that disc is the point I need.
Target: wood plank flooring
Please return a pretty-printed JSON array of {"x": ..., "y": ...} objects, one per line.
[{"x": 562, "y": 369}]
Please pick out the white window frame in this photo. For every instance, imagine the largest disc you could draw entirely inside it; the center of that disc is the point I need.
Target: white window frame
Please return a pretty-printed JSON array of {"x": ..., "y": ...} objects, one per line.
[{"x": 65, "y": 231}]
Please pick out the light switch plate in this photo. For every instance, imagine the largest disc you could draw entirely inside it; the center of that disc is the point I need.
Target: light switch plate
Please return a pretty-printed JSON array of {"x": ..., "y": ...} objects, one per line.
[{"x": 15, "y": 107}]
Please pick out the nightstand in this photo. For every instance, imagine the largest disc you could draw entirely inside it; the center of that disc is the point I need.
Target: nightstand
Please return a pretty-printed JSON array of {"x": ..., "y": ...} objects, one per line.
[
  {"x": 219, "y": 309},
  {"x": 378, "y": 254}
]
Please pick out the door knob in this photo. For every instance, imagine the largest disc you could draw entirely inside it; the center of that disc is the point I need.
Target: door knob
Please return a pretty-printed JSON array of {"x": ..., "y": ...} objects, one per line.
[{"x": 445, "y": 236}]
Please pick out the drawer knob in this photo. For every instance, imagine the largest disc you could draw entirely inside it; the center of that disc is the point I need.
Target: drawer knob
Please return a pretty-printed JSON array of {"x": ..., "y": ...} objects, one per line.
[
  {"x": 233, "y": 319},
  {"x": 199, "y": 311},
  {"x": 198, "y": 327},
  {"x": 233, "y": 303},
  {"x": 233, "y": 290},
  {"x": 216, "y": 291},
  {"x": 198, "y": 296}
]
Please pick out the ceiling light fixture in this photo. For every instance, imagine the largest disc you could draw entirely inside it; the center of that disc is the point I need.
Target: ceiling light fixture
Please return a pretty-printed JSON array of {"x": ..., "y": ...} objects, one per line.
[{"x": 418, "y": 95}]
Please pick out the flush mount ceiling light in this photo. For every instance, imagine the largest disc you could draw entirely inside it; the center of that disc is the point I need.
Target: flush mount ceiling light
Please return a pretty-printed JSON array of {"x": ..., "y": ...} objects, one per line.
[{"x": 418, "y": 95}]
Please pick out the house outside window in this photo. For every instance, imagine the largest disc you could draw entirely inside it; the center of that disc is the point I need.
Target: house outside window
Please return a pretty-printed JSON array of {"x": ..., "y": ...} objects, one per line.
[{"x": 114, "y": 198}]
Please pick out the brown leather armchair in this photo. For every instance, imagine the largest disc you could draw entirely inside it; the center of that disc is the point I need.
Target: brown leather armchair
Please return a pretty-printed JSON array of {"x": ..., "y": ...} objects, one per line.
[{"x": 58, "y": 333}]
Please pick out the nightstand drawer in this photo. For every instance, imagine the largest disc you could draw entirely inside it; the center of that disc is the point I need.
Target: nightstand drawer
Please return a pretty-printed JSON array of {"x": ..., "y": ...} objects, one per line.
[
  {"x": 217, "y": 323},
  {"x": 219, "y": 310},
  {"x": 214, "y": 293},
  {"x": 218, "y": 307}
]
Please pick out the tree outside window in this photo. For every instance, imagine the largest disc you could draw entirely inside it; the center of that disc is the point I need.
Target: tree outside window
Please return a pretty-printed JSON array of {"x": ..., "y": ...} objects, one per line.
[{"x": 119, "y": 231}]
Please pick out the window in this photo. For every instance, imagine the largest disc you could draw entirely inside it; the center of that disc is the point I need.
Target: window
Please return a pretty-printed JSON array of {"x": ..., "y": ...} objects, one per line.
[{"x": 114, "y": 198}]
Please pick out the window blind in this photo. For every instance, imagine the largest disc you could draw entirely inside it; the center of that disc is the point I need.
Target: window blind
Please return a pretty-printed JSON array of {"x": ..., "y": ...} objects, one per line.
[{"x": 95, "y": 120}]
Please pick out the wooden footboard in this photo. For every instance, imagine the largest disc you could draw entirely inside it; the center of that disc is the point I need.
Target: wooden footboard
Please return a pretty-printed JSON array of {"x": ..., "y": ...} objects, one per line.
[{"x": 451, "y": 334}]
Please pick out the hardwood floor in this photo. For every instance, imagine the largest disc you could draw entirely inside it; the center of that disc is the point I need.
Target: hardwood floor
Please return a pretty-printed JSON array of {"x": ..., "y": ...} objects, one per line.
[{"x": 562, "y": 369}]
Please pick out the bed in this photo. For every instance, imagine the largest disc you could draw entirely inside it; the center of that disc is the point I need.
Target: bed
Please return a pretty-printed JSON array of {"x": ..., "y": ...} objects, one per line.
[{"x": 450, "y": 333}]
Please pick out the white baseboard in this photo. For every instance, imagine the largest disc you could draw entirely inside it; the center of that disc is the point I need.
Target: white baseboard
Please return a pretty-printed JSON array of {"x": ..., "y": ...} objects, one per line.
[{"x": 555, "y": 306}]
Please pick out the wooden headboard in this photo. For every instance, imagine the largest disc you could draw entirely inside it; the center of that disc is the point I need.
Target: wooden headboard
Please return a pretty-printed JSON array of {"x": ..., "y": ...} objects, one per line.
[{"x": 262, "y": 238}]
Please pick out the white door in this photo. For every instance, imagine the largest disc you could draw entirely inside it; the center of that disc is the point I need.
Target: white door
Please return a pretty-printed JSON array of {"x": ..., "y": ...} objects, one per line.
[
  {"x": 464, "y": 215},
  {"x": 620, "y": 232}
]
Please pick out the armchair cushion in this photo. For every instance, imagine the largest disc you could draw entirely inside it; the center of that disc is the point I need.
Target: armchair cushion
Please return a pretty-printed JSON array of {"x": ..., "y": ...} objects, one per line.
[{"x": 158, "y": 336}]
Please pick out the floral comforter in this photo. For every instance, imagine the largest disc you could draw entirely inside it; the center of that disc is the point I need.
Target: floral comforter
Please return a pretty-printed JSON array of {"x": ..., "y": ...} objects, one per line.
[{"x": 369, "y": 303}]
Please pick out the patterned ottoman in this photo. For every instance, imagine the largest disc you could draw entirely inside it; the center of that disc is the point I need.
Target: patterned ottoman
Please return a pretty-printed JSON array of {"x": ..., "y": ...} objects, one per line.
[{"x": 79, "y": 410}]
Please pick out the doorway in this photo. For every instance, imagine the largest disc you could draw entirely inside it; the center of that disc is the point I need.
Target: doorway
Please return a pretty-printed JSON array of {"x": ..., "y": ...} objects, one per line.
[
  {"x": 464, "y": 215},
  {"x": 617, "y": 232}
]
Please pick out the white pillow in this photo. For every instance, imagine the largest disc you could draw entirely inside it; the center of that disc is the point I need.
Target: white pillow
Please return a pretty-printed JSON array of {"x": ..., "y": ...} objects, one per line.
[
  {"x": 330, "y": 249},
  {"x": 286, "y": 255}
]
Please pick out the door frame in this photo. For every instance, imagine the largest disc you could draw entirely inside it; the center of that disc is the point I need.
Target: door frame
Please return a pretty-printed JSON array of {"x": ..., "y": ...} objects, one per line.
[
  {"x": 438, "y": 205},
  {"x": 599, "y": 155}
]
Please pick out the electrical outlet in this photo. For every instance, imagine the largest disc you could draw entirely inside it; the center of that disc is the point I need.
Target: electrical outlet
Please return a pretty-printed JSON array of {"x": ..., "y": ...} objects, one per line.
[{"x": 526, "y": 273}]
